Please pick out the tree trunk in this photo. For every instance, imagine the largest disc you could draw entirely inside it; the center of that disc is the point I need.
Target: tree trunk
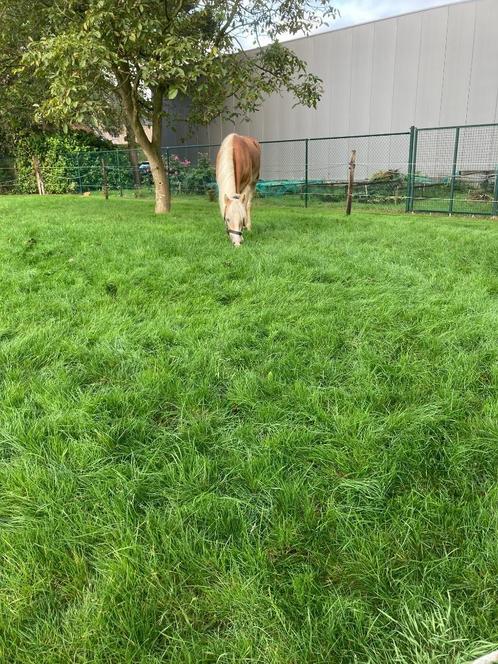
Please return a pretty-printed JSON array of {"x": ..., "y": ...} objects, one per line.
[
  {"x": 151, "y": 147},
  {"x": 160, "y": 177},
  {"x": 39, "y": 180}
]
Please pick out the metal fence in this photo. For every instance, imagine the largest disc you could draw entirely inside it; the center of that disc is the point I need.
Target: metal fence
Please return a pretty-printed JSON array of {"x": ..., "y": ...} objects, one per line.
[
  {"x": 452, "y": 170},
  {"x": 8, "y": 180},
  {"x": 314, "y": 171}
]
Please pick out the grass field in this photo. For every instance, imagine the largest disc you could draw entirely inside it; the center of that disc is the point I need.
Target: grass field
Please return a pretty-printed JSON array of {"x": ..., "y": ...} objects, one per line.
[{"x": 282, "y": 454}]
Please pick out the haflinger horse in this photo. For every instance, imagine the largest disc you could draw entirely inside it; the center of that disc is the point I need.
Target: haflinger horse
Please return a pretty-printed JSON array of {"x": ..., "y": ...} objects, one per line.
[{"x": 237, "y": 171}]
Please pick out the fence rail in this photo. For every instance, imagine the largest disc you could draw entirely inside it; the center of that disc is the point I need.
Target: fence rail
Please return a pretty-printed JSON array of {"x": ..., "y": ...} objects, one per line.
[{"x": 452, "y": 170}]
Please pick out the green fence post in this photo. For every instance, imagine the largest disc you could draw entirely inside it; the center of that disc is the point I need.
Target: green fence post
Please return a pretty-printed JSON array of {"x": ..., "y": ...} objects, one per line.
[
  {"x": 453, "y": 171},
  {"x": 409, "y": 178},
  {"x": 414, "y": 169},
  {"x": 306, "y": 154},
  {"x": 495, "y": 195}
]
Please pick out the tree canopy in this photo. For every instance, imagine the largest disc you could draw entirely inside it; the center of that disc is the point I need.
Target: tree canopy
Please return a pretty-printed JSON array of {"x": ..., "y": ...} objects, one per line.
[
  {"x": 90, "y": 52},
  {"x": 20, "y": 89}
]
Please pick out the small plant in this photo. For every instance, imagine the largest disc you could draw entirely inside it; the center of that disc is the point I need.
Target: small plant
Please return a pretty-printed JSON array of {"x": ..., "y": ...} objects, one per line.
[
  {"x": 384, "y": 186},
  {"x": 188, "y": 178},
  {"x": 177, "y": 172},
  {"x": 387, "y": 176},
  {"x": 479, "y": 195}
]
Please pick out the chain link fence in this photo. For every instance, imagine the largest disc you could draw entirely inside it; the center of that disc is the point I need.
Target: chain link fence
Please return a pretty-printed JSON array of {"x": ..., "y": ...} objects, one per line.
[{"x": 449, "y": 170}]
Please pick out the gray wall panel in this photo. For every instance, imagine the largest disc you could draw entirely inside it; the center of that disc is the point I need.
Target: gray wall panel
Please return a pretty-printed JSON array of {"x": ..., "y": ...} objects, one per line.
[
  {"x": 300, "y": 117},
  {"x": 484, "y": 81},
  {"x": 458, "y": 64},
  {"x": 431, "y": 67},
  {"x": 383, "y": 63},
  {"x": 408, "y": 37},
  {"x": 274, "y": 110},
  {"x": 339, "y": 81},
  {"x": 322, "y": 57},
  {"x": 361, "y": 78}
]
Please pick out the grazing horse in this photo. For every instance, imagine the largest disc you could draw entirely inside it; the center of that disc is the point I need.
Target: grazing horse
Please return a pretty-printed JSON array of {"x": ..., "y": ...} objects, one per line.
[{"x": 237, "y": 171}]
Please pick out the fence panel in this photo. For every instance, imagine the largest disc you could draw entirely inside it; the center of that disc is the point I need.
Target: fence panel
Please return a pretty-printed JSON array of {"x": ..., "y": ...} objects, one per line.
[
  {"x": 7, "y": 175},
  {"x": 283, "y": 171},
  {"x": 433, "y": 164},
  {"x": 455, "y": 170},
  {"x": 381, "y": 177},
  {"x": 476, "y": 169}
]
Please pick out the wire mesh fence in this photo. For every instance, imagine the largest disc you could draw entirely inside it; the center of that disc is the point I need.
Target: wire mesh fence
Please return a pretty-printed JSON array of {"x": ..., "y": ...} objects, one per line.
[
  {"x": 380, "y": 174},
  {"x": 431, "y": 170},
  {"x": 8, "y": 180},
  {"x": 455, "y": 170}
]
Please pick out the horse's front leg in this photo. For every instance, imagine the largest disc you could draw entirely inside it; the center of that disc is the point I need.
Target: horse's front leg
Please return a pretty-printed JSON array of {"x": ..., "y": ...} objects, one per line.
[{"x": 249, "y": 195}]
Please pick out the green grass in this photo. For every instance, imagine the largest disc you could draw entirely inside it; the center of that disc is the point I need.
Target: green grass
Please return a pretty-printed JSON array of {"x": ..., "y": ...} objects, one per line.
[{"x": 285, "y": 453}]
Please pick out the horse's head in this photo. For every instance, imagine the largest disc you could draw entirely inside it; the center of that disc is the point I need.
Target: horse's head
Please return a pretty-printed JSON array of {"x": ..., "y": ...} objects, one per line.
[{"x": 235, "y": 217}]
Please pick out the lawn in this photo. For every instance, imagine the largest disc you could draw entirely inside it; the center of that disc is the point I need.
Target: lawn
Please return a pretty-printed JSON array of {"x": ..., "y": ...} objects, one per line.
[{"x": 282, "y": 454}]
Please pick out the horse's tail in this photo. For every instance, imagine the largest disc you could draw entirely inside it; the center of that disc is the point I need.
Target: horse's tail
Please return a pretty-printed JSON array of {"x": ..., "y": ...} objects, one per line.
[{"x": 225, "y": 171}]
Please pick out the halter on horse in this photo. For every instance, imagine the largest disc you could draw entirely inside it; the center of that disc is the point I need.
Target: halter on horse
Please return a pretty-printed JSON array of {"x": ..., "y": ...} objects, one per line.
[{"x": 232, "y": 231}]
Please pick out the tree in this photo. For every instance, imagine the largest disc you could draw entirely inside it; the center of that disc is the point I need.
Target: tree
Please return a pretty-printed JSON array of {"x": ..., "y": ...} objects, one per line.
[
  {"x": 24, "y": 89},
  {"x": 20, "y": 90},
  {"x": 148, "y": 51}
]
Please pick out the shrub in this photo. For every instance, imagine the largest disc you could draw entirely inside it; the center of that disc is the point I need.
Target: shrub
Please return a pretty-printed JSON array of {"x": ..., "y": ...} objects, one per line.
[
  {"x": 58, "y": 155},
  {"x": 387, "y": 176},
  {"x": 479, "y": 195}
]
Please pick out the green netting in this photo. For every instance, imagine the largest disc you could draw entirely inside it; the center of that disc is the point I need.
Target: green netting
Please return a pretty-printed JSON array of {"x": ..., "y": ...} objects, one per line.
[{"x": 282, "y": 187}]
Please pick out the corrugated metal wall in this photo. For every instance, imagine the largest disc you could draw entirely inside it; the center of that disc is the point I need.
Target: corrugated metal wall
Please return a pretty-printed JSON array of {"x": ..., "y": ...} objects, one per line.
[{"x": 431, "y": 68}]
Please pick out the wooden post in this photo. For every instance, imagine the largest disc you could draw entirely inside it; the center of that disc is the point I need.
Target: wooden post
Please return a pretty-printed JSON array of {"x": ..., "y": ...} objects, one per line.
[
  {"x": 352, "y": 166},
  {"x": 39, "y": 180},
  {"x": 105, "y": 184}
]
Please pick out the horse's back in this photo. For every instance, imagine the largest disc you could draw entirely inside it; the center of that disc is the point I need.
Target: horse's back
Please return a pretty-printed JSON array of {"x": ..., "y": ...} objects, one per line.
[{"x": 247, "y": 158}]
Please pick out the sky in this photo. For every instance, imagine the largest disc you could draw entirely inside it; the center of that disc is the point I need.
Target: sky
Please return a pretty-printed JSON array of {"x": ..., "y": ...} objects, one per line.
[
  {"x": 361, "y": 11},
  {"x": 354, "y": 12}
]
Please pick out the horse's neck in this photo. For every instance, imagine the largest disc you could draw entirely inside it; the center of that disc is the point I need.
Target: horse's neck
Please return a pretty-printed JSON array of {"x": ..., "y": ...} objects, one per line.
[{"x": 226, "y": 177}]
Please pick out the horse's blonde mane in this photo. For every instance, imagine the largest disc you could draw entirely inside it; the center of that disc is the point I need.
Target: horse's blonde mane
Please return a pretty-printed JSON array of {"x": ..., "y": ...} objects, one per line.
[{"x": 225, "y": 173}]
